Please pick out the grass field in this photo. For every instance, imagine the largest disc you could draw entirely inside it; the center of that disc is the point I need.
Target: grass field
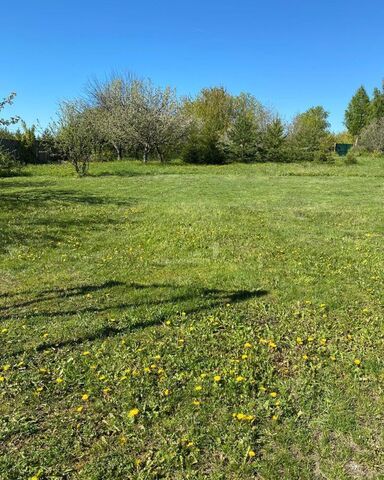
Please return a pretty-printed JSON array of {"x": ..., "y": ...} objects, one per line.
[{"x": 188, "y": 322}]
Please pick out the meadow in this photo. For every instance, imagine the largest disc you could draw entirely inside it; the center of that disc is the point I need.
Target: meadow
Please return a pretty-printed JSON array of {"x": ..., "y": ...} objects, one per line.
[{"x": 189, "y": 322}]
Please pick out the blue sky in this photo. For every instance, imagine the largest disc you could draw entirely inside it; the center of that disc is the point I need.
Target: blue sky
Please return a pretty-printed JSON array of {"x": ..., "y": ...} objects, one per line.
[{"x": 291, "y": 54}]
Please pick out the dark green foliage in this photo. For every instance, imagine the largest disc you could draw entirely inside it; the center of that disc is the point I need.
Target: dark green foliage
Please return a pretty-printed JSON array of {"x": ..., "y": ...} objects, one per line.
[
  {"x": 211, "y": 112},
  {"x": 9, "y": 163},
  {"x": 273, "y": 141},
  {"x": 358, "y": 112},
  {"x": 377, "y": 104},
  {"x": 350, "y": 158}
]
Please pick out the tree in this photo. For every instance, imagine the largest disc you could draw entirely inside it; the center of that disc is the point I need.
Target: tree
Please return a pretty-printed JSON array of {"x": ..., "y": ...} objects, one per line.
[
  {"x": 310, "y": 130},
  {"x": 243, "y": 140},
  {"x": 109, "y": 103},
  {"x": 377, "y": 104},
  {"x": 273, "y": 140},
  {"x": 75, "y": 135},
  {"x": 357, "y": 114},
  {"x": 372, "y": 136},
  {"x": 211, "y": 112},
  {"x": 158, "y": 122},
  {"x": 133, "y": 114},
  {"x": 8, "y": 101}
]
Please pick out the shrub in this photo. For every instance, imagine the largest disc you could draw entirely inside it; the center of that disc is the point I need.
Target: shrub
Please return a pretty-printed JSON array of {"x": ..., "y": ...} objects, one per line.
[
  {"x": 350, "y": 158},
  {"x": 9, "y": 163},
  {"x": 321, "y": 156}
]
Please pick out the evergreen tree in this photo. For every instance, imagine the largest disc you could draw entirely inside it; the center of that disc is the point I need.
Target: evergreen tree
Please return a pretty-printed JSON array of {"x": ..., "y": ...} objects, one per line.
[
  {"x": 241, "y": 141},
  {"x": 377, "y": 104},
  {"x": 358, "y": 112},
  {"x": 273, "y": 140}
]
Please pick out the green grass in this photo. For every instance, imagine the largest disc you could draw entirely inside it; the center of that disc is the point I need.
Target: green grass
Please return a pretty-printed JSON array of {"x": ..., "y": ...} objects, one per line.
[{"x": 140, "y": 283}]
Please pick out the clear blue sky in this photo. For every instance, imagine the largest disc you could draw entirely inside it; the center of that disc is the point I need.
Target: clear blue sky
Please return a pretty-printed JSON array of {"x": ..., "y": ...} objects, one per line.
[{"x": 291, "y": 54}]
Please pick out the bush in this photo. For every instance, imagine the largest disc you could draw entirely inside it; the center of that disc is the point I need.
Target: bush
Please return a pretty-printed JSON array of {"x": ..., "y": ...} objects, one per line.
[
  {"x": 350, "y": 158},
  {"x": 9, "y": 163},
  {"x": 321, "y": 156}
]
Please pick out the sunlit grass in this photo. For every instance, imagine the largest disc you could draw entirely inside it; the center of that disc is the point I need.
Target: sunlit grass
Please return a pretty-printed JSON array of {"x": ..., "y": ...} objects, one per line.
[{"x": 192, "y": 322}]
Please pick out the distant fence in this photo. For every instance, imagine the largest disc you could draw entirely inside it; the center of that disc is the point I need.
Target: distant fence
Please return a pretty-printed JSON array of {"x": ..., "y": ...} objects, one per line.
[{"x": 40, "y": 155}]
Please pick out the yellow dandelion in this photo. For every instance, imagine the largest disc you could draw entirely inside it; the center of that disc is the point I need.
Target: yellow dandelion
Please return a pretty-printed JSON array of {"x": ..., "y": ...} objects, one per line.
[
  {"x": 357, "y": 361},
  {"x": 106, "y": 390},
  {"x": 79, "y": 409},
  {"x": 59, "y": 380},
  {"x": 251, "y": 454},
  {"x": 244, "y": 357},
  {"x": 299, "y": 340},
  {"x": 273, "y": 394},
  {"x": 247, "y": 345},
  {"x": 196, "y": 403},
  {"x": 239, "y": 378},
  {"x": 86, "y": 353},
  {"x": 217, "y": 378},
  {"x": 275, "y": 418},
  {"x": 166, "y": 392},
  {"x": 305, "y": 357},
  {"x": 85, "y": 397},
  {"x": 2, "y": 379},
  {"x": 198, "y": 388},
  {"x": 132, "y": 413}
]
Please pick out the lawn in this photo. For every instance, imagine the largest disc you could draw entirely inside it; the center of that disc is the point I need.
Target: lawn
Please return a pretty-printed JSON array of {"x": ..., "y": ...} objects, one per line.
[{"x": 188, "y": 322}]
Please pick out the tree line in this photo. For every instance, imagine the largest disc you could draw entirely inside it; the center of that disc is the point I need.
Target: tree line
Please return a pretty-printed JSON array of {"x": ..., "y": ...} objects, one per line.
[{"x": 125, "y": 116}]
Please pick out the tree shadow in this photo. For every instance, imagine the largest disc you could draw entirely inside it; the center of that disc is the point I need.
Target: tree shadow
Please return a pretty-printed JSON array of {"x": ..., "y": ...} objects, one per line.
[
  {"x": 42, "y": 228},
  {"x": 191, "y": 301}
]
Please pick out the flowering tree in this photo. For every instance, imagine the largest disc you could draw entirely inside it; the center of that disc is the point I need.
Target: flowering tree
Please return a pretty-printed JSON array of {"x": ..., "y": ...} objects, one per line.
[{"x": 8, "y": 101}]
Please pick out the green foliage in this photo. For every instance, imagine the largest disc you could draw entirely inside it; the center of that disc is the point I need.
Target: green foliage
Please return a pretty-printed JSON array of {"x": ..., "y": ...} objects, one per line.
[
  {"x": 273, "y": 141},
  {"x": 9, "y": 163},
  {"x": 377, "y": 104},
  {"x": 350, "y": 158},
  {"x": 358, "y": 112},
  {"x": 75, "y": 135},
  {"x": 27, "y": 138},
  {"x": 242, "y": 140},
  {"x": 211, "y": 113},
  {"x": 310, "y": 130}
]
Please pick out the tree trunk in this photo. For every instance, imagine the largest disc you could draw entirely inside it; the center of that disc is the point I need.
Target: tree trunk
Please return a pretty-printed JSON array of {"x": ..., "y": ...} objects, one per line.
[
  {"x": 118, "y": 151},
  {"x": 145, "y": 154}
]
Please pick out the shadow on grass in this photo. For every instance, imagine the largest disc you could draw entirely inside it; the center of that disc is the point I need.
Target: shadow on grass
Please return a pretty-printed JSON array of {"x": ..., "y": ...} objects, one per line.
[
  {"x": 42, "y": 228},
  {"x": 191, "y": 301}
]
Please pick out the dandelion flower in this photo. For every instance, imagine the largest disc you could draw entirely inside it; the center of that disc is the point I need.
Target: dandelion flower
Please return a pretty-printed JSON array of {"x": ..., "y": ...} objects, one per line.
[
  {"x": 273, "y": 394},
  {"x": 85, "y": 397},
  {"x": 247, "y": 345},
  {"x": 357, "y": 361},
  {"x": 217, "y": 378},
  {"x": 59, "y": 380},
  {"x": 132, "y": 413},
  {"x": 198, "y": 388},
  {"x": 239, "y": 378},
  {"x": 251, "y": 454}
]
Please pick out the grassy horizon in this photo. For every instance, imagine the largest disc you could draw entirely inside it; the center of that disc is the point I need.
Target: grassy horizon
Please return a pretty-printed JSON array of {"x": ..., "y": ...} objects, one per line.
[{"x": 185, "y": 322}]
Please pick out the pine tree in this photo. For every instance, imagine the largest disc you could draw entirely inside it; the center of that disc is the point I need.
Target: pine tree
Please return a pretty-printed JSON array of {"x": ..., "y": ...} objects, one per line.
[
  {"x": 357, "y": 115},
  {"x": 377, "y": 104},
  {"x": 273, "y": 140}
]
